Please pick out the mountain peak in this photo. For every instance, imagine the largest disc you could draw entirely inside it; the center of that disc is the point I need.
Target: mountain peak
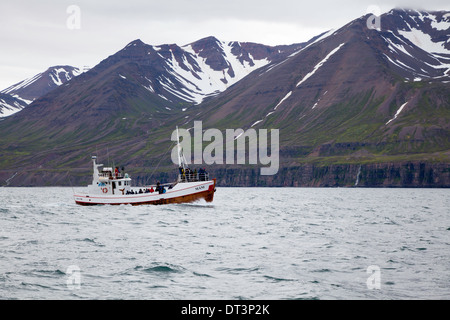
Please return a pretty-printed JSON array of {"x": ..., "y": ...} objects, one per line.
[
  {"x": 21, "y": 94},
  {"x": 137, "y": 42},
  {"x": 208, "y": 39}
]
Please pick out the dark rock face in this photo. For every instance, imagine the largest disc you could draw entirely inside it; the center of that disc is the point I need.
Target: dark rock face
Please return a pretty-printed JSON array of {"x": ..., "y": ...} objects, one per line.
[
  {"x": 421, "y": 175},
  {"x": 405, "y": 175}
]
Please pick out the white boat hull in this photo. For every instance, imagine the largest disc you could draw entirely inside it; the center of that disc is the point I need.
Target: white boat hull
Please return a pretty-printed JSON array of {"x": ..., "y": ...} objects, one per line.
[{"x": 181, "y": 193}]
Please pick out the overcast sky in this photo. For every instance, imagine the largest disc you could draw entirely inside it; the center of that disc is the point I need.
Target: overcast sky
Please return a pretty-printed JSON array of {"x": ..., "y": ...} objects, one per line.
[{"x": 35, "y": 35}]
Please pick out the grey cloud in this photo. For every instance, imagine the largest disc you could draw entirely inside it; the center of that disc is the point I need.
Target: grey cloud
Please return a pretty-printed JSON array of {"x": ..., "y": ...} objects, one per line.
[{"x": 34, "y": 33}]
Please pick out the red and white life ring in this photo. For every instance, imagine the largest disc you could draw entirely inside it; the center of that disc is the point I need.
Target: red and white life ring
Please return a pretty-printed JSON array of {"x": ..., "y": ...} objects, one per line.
[{"x": 105, "y": 190}]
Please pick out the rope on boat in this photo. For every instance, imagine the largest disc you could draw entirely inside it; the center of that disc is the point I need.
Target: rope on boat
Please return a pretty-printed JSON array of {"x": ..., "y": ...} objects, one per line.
[{"x": 157, "y": 166}]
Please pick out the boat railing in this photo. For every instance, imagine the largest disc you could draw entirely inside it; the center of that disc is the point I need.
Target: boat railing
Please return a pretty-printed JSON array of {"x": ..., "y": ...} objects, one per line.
[
  {"x": 193, "y": 177},
  {"x": 111, "y": 175}
]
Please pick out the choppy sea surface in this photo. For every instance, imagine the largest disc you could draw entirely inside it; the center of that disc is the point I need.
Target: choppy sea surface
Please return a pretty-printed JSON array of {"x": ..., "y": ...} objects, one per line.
[{"x": 250, "y": 243}]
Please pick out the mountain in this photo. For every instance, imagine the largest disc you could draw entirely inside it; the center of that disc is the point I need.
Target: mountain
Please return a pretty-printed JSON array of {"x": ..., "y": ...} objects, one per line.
[
  {"x": 194, "y": 72},
  {"x": 143, "y": 84},
  {"x": 10, "y": 104},
  {"x": 21, "y": 94},
  {"x": 128, "y": 95},
  {"x": 419, "y": 44},
  {"x": 358, "y": 100},
  {"x": 353, "y": 106}
]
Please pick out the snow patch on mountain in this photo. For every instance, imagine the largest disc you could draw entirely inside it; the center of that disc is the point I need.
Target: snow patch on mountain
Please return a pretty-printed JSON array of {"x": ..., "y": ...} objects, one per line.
[
  {"x": 418, "y": 45},
  {"x": 194, "y": 79},
  {"x": 320, "y": 38},
  {"x": 282, "y": 100},
  {"x": 7, "y": 109},
  {"x": 25, "y": 92},
  {"x": 254, "y": 124},
  {"x": 424, "y": 41},
  {"x": 199, "y": 80},
  {"x": 396, "y": 47},
  {"x": 274, "y": 109},
  {"x": 397, "y": 113},
  {"x": 23, "y": 84},
  {"x": 317, "y": 66}
]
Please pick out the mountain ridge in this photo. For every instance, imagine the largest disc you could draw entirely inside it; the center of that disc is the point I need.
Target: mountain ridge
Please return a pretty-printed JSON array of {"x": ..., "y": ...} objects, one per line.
[
  {"x": 26, "y": 91},
  {"x": 350, "y": 98}
]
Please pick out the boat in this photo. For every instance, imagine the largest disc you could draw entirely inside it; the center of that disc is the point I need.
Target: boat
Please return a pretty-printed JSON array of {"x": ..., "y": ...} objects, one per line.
[{"x": 114, "y": 187}]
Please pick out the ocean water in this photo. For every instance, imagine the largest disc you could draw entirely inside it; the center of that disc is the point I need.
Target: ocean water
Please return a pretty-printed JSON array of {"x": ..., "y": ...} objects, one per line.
[{"x": 250, "y": 243}]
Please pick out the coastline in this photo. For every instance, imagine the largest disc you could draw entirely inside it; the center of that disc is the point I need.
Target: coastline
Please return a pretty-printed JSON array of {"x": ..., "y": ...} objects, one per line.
[{"x": 378, "y": 175}]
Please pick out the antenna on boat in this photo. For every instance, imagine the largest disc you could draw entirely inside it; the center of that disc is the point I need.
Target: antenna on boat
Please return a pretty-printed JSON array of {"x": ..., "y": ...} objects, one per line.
[{"x": 107, "y": 152}]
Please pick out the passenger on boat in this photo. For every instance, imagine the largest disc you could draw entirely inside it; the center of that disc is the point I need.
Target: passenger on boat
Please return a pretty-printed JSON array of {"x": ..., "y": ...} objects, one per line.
[
  {"x": 160, "y": 188},
  {"x": 151, "y": 190},
  {"x": 188, "y": 174},
  {"x": 202, "y": 174},
  {"x": 182, "y": 173}
]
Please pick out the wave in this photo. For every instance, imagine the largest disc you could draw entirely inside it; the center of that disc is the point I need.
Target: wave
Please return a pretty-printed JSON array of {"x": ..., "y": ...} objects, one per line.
[
  {"x": 202, "y": 275},
  {"x": 195, "y": 205},
  {"x": 34, "y": 286},
  {"x": 238, "y": 270},
  {"x": 160, "y": 268},
  {"x": 276, "y": 279},
  {"x": 322, "y": 270},
  {"x": 297, "y": 245},
  {"x": 91, "y": 240},
  {"x": 45, "y": 273}
]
